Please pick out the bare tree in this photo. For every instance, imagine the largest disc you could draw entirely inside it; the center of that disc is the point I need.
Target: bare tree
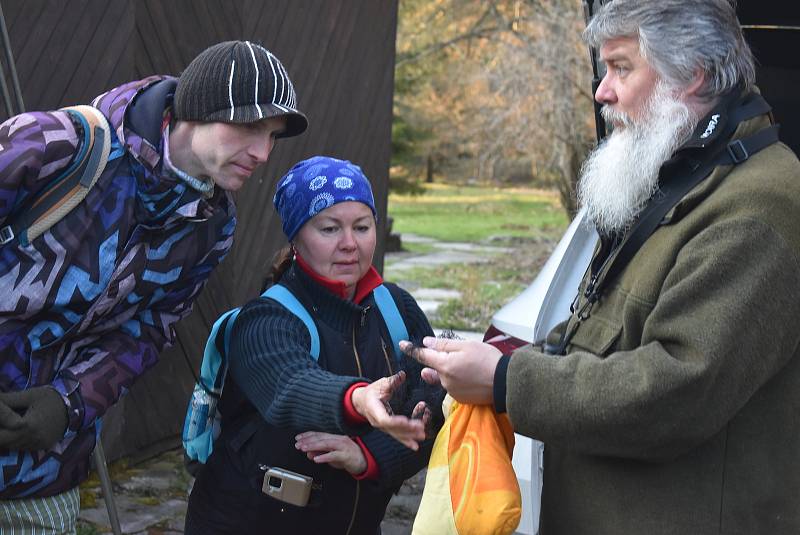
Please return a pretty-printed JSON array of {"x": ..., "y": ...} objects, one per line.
[{"x": 499, "y": 83}]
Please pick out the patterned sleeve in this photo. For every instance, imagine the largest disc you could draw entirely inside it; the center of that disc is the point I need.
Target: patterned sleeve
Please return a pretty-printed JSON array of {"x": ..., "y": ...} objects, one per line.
[
  {"x": 106, "y": 365},
  {"x": 34, "y": 147}
]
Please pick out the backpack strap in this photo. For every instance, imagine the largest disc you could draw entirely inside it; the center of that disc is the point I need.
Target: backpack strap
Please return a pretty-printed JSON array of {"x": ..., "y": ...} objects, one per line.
[
  {"x": 214, "y": 367},
  {"x": 201, "y": 425},
  {"x": 48, "y": 207},
  {"x": 215, "y": 356},
  {"x": 391, "y": 316},
  {"x": 383, "y": 299},
  {"x": 285, "y": 297}
]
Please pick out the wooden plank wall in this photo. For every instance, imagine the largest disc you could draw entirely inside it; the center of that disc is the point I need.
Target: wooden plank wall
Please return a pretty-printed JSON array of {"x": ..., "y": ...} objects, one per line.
[{"x": 340, "y": 56}]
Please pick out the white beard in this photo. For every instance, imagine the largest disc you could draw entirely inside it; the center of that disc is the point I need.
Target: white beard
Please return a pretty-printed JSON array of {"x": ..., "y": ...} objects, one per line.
[{"x": 620, "y": 175}]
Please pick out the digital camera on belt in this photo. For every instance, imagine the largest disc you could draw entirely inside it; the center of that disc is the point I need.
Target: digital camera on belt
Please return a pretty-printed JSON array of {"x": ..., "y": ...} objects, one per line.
[{"x": 287, "y": 486}]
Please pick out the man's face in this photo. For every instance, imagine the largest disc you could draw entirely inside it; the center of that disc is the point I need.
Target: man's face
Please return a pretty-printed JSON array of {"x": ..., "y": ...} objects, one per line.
[
  {"x": 622, "y": 173},
  {"x": 229, "y": 153},
  {"x": 629, "y": 81}
]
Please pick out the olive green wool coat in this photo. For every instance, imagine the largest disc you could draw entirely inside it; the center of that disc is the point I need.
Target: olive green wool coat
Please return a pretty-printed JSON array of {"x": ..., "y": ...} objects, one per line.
[{"x": 677, "y": 407}]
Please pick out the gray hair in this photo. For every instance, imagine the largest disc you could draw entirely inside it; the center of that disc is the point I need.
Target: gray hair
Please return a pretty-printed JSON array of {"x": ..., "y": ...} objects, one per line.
[{"x": 678, "y": 37}]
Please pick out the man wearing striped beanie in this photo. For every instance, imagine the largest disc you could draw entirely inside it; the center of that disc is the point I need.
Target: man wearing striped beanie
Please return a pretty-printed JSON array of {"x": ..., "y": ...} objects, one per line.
[
  {"x": 114, "y": 274},
  {"x": 231, "y": 96}
]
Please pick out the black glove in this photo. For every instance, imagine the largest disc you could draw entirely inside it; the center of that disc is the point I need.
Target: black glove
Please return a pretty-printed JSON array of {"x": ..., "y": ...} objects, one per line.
[{"x": 32, "y": 419}]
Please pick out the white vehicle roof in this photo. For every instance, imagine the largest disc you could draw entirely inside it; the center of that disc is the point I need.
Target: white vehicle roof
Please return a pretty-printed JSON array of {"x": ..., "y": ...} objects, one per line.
[{"x": 545, "y": 303}]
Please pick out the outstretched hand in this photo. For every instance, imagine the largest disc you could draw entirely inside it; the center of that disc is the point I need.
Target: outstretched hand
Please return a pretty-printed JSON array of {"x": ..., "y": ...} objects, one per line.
[
  {"x": 340, "y": 451},
  {"x": 465, "y": 368},
  {"x": 371, "y": 402}
]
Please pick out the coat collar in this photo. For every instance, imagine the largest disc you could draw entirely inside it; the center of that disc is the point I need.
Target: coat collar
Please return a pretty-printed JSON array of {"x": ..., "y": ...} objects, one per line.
[
  {"x": 136, "y": 111},
  {"x": 364, "y": 287}
]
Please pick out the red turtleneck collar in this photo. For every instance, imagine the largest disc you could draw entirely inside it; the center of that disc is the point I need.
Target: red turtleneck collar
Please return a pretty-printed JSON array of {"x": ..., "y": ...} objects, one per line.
[{"x": 364, "y": 286}]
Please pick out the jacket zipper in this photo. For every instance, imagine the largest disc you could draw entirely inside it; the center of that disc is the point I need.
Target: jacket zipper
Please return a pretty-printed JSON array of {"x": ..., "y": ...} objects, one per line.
[
  {"x": 386, "y": 357},
  {"x": 355, "y": 353},
  {"x": 355, "y": 508},
  {"x": 355, "y": 349}
]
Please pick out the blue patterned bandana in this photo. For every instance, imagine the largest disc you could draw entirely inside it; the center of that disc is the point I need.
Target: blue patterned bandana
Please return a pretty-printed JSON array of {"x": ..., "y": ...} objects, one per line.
[{"x": 316, "y": 184}]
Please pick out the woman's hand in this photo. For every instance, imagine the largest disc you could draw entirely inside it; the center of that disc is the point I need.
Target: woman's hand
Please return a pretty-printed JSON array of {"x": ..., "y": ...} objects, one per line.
[
  {"x": 423, "y": 413},
  {"x": 339, "y": 451},
  {"x": 371, "y": 402}
]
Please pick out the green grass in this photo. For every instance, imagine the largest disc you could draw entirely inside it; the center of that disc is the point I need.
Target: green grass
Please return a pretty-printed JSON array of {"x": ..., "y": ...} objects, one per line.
[
  {"x": 418, "y": 247},
  {"x": 530, "y": 221},
  {"x": 83, "y": 528},
  {"x": 484, "y": 287},
  {"x": 473, "y": 214}
]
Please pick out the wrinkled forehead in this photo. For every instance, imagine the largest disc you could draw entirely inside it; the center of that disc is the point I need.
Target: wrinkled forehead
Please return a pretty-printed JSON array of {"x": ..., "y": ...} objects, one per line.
[{"x": 621, "y": 49}]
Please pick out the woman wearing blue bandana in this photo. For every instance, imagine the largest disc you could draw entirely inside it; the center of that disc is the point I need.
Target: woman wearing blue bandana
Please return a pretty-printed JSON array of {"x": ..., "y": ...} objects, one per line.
[{"x": 325, "y": 418}]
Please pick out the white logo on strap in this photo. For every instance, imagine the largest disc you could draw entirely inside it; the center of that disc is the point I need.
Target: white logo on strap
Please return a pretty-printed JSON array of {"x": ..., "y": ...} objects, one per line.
[{"x": 712, "y": 125}]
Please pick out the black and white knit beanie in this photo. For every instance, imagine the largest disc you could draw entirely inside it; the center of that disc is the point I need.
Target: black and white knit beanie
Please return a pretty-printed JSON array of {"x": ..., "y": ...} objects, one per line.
[{"x": 237, "y": 82}]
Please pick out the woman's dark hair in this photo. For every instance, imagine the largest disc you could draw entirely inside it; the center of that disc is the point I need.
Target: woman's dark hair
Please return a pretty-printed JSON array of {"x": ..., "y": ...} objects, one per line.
[{"x": 280, "y": 263}]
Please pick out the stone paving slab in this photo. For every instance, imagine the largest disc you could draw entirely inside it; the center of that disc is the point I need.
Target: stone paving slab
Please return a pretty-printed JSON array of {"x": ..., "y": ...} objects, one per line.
[
  {"x": 471, "y": 248},
  {"x": 136, "y": 517},
  {"x": 429, "y": 306},
  {"x": 434, "y": 259},
  {"x": 416, "y": 238},
  {"x": 430, "y": 299},
  {"x": 435, "y": 293},
  {"x": 445, "y": 253}
]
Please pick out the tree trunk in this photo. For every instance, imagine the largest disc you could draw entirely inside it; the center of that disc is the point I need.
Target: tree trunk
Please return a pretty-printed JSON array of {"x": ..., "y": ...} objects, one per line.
[
  {"x": 569, "y": 161},
  {"x": 429, "y": 170}
]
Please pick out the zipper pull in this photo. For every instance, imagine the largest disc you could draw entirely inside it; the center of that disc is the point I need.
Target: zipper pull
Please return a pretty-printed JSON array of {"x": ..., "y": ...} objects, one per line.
[
  {"x": 364, "y": 314},
  {"x": 590, "y": 287}
]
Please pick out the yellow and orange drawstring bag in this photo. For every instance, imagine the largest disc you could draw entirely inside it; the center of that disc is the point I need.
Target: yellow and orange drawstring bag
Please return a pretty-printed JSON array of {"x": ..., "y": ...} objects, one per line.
[{"x": 470, "y": 488}]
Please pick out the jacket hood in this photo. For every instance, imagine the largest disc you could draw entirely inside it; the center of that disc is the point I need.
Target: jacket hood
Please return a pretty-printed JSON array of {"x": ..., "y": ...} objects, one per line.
[{"x": 116, "y": 104}]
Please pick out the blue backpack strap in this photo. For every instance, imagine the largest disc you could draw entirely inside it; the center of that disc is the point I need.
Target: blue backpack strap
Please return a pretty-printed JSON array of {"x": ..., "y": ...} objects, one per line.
[
  {"x": 226, "y": 337},
  {"x": 201, "y": 425},
  {"x": 202, "y": 422},
  {"x": 214, "y": 367},
  {"x": 392, "y": 318},
  {"x": 285, "y": 297}
]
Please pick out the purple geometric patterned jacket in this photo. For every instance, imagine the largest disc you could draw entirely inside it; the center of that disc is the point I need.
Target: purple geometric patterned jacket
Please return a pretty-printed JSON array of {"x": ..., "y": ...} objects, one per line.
[{"x": 88, "y": 305}]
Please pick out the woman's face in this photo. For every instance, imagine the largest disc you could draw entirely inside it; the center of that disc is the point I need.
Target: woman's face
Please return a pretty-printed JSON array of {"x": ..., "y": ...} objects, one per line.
[{"x": 339, "y": 242}]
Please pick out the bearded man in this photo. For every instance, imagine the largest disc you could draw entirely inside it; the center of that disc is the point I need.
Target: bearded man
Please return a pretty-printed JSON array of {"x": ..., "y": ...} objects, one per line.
[{"x": 669, "y": 402}]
